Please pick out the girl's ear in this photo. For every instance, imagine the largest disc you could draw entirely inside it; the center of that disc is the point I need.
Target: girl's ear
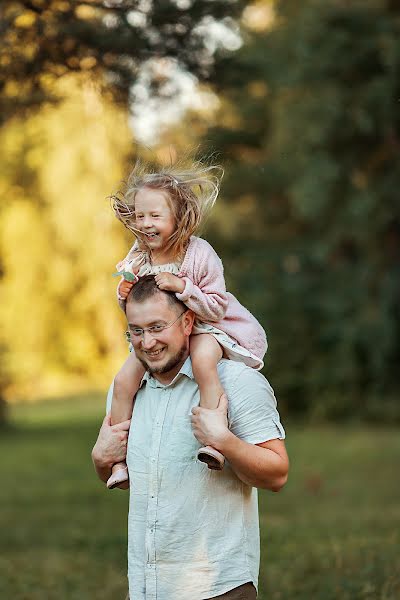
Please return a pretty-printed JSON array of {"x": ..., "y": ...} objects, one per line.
[{"x": 188, "y": 320}]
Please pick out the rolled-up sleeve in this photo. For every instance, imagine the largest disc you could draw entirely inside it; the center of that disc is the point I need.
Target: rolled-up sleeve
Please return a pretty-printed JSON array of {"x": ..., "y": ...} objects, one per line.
[{"x": 253, "y": 414}]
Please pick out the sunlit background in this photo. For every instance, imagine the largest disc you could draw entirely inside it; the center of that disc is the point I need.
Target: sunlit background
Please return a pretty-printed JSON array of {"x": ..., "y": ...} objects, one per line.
[{"x": 300, "y": 104}]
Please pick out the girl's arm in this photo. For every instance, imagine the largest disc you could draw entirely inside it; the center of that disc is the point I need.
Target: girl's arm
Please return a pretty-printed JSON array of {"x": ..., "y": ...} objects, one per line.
[
  {"x": 131, "y": 264},
  {"x": 208, "y": 300},
  {"x": 205, "y": 292}
]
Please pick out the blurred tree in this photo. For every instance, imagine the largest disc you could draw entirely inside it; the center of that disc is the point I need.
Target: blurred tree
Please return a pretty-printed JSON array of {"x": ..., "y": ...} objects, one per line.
[
  {"x": 107, "y": 41},
  {"x": 60, "y": 243},
  {"x": 309, "y": 221},
  {"x": 310, "y": 129},
  {"x": 42, "y": 40}
]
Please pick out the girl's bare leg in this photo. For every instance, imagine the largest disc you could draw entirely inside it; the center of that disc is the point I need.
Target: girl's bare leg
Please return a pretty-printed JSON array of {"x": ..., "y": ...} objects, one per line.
[
  {"x": 126, "y": 384},
  {"x": 205, "y": 353}
]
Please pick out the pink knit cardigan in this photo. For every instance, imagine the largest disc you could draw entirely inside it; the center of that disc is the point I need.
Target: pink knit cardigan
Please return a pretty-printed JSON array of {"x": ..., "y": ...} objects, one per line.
[{"x": 206, "y": 295}]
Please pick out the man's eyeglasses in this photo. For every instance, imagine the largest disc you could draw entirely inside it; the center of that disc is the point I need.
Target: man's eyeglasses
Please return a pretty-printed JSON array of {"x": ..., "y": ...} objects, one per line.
[{"x": 154, "y": 330}]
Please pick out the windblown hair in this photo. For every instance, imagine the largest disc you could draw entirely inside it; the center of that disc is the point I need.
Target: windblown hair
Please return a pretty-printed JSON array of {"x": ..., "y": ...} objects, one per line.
[{"x": 190, "y": 192}]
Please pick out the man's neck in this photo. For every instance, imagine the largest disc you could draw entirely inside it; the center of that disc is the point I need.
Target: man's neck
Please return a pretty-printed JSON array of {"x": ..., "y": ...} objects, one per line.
[{"x": 169, "y": 376}]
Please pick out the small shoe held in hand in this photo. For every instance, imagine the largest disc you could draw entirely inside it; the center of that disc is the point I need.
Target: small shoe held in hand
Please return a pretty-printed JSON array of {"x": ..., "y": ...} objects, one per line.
[
  {"x": 214, "y": 459},
  {"x": 117, "y": 477}
]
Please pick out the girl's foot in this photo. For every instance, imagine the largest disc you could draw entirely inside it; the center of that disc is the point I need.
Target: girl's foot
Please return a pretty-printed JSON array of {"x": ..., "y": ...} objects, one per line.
[
  {"x": 119, "y": 475},
  {"x": 214, "y": 459}
]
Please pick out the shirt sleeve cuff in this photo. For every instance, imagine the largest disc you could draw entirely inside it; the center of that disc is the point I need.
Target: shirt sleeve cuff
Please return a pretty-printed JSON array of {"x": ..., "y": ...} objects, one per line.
[
  {"x": 187, "y": 292},
  {"x": 274, "y": 432}
]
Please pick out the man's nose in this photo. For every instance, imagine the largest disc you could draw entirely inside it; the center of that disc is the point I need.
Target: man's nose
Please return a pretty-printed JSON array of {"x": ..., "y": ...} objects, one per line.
[{"x": 147, "y": 340}]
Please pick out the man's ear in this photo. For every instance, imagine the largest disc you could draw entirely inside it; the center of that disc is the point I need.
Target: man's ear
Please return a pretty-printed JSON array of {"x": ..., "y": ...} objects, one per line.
[{"x": 188, "y": 320}]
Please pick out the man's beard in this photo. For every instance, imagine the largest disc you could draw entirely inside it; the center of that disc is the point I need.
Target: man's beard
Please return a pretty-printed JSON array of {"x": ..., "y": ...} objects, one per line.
[{"x": 171, "y": 364}]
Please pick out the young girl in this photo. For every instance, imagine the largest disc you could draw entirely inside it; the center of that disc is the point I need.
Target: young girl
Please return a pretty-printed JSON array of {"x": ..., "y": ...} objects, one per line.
[{"x": 164, "y": 210}]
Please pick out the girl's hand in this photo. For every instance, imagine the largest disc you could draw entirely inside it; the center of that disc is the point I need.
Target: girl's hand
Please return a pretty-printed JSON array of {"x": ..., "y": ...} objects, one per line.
[
  {"x": 169, "y": 282},
  {"x": 124, "y": 287},
  {"x": 137, "y": 260},
  {"x": 133, "y": 264}
]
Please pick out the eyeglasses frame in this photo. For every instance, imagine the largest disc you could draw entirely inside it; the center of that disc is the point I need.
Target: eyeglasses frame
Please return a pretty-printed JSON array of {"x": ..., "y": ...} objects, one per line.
[{"x": 140, "y": 335}]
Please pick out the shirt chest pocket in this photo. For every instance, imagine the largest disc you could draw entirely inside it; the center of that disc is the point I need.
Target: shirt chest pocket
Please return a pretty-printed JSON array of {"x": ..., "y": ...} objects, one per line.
[{"x": 178, "y": 442}]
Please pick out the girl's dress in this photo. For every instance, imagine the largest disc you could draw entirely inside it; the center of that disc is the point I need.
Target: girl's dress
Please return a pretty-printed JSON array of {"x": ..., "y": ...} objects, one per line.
[{"x": 218, "y": 312}]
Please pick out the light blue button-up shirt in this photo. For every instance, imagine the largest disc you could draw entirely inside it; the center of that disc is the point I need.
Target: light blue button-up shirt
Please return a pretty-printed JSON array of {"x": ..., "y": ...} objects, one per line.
[{"x": 193, "y": 533}]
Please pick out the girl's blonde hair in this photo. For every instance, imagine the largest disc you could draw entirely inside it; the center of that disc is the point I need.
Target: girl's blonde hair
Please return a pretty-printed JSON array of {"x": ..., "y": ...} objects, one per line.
[{"x": 191, "y": 194}]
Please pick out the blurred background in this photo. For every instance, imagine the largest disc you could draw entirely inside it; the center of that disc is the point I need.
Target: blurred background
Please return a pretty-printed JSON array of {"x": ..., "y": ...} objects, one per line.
[{"x": 300, "y": 103}]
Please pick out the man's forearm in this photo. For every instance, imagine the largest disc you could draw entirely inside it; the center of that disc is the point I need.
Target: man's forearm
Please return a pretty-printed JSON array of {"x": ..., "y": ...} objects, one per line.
[{"x": 257, "y": 466}]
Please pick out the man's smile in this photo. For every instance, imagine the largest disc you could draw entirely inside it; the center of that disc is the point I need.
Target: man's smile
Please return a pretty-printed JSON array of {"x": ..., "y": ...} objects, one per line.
[
  {"x": 153, "y": 353},
  {"x": 163, "y": 352}
]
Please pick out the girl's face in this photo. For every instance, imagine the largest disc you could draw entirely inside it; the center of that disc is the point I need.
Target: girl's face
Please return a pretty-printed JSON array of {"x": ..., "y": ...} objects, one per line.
[{"x": 153, "y": 217}]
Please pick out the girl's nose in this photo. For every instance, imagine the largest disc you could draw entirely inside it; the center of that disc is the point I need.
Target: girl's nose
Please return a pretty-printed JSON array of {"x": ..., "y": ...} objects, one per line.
[{"x": 147, "y": 221}]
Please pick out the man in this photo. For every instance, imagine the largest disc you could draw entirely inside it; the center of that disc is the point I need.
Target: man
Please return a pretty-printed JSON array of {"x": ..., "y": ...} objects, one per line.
[{"x": 193, "y": 533}]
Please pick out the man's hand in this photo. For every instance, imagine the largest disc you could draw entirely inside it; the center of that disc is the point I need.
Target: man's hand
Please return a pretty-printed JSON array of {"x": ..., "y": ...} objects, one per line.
[
  {"x": 169, "y": 282},
  {"x": 210, "y": 427},
  {"x": 110, "y": 446}
]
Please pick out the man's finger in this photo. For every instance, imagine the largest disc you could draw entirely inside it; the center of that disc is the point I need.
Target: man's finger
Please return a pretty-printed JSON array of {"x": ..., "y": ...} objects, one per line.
[
  {"x": 123, "y": 426},
  {"x": 195, "y": 410},
  {"x": 107, "y": 419},
  {"x": 223, "y": 403}
]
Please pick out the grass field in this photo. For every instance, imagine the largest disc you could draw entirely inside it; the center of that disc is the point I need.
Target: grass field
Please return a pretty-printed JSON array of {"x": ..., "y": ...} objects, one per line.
[{"x": 333, "y": 533}]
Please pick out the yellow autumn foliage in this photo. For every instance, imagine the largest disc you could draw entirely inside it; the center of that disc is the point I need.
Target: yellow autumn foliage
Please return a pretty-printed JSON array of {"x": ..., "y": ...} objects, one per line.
[{"x": 62, "y": 329}]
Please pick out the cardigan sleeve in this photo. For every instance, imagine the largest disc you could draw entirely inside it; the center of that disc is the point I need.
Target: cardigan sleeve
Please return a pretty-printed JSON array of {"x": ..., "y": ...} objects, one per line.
[{"x": 205, "y": 292}]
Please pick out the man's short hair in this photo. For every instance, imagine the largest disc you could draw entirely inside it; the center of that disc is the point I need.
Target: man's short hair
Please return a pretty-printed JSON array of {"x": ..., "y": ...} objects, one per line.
[{"x": 146, "y": 288}]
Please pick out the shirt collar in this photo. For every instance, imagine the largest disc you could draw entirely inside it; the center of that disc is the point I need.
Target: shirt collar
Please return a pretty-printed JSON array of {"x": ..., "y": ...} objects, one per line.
[{"x": 186, "y": 369}]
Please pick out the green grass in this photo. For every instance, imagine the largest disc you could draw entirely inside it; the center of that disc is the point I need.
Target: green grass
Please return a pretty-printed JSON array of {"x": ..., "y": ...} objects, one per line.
[{"x": 332, "y": 533}]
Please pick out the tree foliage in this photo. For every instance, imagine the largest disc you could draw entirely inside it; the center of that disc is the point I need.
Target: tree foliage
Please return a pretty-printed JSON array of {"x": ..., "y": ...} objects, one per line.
[
  {"x": 42, "y": 40},
  {"x": 308, "y": 224},
  {"x": 62, "y": 328},
  {"x": 312, "y": 147}
]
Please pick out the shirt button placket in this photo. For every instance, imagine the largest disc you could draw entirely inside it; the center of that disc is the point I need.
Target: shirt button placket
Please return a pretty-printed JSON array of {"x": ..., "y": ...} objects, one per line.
[{"x": 151, "y": 574}]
